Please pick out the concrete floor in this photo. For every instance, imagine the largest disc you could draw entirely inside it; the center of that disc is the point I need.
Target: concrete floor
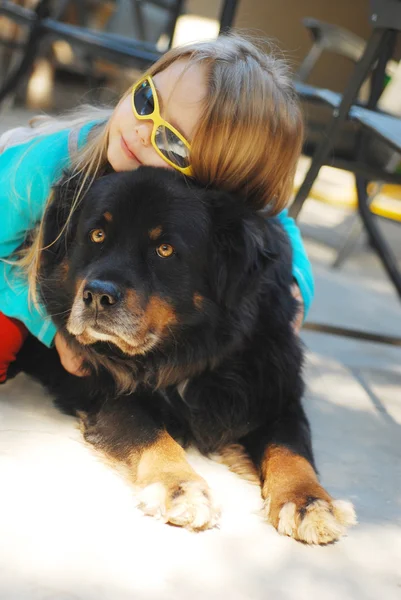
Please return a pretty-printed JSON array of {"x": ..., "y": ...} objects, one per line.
[{"x": 69, "y": 528}]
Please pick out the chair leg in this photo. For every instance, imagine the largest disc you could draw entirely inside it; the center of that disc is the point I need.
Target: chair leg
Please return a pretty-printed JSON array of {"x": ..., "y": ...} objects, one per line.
[
  {"x": 355, "y": 232},
  {"x": 309, "y": 62},
  {"x": 30, "y": 53},
  {"x": 350, "y": 243},
  {"x": 24, "y": 69},
  {"x": 227, "y": 15},
  {"x": 363, "y": 68},
  {"x": 379, "y": 243},
  {"x": 41, "y": 11}
]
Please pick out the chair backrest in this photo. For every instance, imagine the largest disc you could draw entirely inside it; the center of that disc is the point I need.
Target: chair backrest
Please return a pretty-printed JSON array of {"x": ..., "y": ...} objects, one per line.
[
  {"x": 386, "y": 14},
  {"x": 340, "y": 41},
  {"x": 146, "y": 20},
  {"x": 335, "y": 39},
  {"x": 328, "y": 38}
]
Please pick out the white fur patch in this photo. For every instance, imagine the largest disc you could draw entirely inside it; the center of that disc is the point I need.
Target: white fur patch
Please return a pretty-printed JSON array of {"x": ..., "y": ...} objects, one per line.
[
  {"x": 193, "y": 508},
  {"x": 322, "y": 522},
  {"x": 287, "y": 524}
]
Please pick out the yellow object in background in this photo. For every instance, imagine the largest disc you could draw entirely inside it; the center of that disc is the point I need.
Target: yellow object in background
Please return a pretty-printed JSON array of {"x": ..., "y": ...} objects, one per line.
[{"x": 337, "y": 187}]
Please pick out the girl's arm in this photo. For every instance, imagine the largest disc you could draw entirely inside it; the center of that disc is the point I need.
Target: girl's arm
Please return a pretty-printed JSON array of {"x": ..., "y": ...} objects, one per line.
[
  {"x": 301, "y": 266},
  {"x": 27, "y": 172},
  {"x": 14, "y": 303}
]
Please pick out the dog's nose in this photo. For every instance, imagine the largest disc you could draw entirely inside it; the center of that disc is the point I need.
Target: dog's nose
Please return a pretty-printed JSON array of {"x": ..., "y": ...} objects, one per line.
[{"x": 101, "y": 294}]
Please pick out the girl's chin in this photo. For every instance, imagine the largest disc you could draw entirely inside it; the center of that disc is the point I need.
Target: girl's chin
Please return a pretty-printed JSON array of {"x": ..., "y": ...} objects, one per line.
[{"x": 118, "y": 160}]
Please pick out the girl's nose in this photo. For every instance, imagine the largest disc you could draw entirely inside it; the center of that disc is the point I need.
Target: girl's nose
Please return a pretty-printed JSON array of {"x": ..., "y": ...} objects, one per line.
[{"x": 144, "y": 132}]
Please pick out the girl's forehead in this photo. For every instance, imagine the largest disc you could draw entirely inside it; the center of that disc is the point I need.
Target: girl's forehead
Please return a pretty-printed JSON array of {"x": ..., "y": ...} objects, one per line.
[{"x": 182, "y": 89}]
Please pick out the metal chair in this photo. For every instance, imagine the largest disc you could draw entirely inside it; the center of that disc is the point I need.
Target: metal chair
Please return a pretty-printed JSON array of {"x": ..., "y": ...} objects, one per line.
[
  {"x": 372, "y": 124},
  {"x": 319, "y": 103},
  {"x": 328, "y": 38}
]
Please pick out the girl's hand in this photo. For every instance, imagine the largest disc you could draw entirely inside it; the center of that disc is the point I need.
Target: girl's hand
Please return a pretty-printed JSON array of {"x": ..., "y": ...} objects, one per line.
[
  {"x": 297, "y": 323},
  {"x": 71, "y": 361}
]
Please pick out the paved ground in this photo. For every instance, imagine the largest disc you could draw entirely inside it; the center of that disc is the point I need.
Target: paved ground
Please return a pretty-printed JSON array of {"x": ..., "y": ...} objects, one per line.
[{"x": 69, "y": 528}]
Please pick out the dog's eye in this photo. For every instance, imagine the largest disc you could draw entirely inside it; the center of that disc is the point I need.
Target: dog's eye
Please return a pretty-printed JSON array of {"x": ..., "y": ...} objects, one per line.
[
  {"x": 97, "y": 235},
  {"x": 165, "y": 250}
]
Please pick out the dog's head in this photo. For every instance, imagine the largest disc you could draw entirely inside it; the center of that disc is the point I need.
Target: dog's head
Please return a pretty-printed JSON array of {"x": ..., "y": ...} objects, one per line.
[{"x": 149, "y": 257}]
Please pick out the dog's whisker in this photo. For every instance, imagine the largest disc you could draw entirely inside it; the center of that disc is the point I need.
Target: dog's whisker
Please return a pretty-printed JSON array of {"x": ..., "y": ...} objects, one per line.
[{"x": 58, "y": 314}]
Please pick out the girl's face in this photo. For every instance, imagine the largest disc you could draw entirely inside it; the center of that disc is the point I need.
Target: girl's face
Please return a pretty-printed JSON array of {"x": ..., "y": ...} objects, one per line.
[{"x": 180, "y": 100}]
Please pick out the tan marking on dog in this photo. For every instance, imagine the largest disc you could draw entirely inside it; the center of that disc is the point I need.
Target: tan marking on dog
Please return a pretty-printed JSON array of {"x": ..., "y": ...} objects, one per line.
[
  {"x": 85, "y": 338},
  {"x": 238, "y": 461},
  {"x": 296, "y": 504},
  {"x": 133, "y": 303},
  {"x": 79, "y": 287},
  {"x": 74, "y": 325},
  {"x": 165, "y": 454},
  {"x": 198, "y": 300},
  {"x": 173, "y": 375},
  {"x": 170, "y": 489},
  {"x": 159, "y": 314},
  {"x": 108, "y": 216},
  {"x": 156, "y": 232},
  {"x": 64, "y": 269}
]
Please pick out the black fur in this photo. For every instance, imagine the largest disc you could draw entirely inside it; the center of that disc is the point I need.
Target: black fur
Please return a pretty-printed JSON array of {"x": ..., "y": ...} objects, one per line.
[{"x": 228, "y": 286}]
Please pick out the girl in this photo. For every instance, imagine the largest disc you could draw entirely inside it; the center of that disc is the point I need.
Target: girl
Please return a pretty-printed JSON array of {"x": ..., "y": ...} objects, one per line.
[{"x": 221, "y": 111}]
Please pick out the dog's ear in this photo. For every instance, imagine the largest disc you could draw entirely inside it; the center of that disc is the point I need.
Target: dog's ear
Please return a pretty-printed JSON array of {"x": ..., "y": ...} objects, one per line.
[
  {"x": 241, "y": 248},
  {"x": 60, "y": 225}
]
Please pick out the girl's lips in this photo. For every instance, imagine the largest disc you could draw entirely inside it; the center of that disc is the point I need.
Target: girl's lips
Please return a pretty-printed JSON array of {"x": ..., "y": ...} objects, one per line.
[{"x": 127, "y": 150}]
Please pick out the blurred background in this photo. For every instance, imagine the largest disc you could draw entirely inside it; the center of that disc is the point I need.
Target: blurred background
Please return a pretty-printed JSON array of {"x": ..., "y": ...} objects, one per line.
[{"x": 280, "y": 20}]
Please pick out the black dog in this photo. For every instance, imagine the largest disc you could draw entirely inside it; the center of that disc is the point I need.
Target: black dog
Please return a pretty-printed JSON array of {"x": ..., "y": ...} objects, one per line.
[{"x": 178, "y": 298}]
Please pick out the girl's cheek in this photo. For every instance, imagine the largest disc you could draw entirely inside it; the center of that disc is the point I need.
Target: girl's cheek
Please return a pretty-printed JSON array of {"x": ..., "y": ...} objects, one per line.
[
  {"x": 157, "y": 161},
  {"x": 123, "y": 117}
]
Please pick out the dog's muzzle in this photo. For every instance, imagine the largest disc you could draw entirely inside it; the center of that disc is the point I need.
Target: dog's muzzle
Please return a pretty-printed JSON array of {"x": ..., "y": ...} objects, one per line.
[{"x": 104, "y": 311}]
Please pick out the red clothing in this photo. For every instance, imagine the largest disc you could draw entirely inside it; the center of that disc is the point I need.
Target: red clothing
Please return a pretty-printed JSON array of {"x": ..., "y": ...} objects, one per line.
[{"x": 12, "y": 336}]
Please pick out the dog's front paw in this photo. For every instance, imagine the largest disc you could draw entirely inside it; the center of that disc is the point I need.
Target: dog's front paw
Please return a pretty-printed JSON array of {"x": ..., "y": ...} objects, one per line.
[
  {"x": 310, "y": 519},
  {"x": 187, "y": 504}
]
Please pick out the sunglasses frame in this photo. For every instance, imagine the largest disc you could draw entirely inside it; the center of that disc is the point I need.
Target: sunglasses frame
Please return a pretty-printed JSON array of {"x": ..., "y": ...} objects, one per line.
[{"x": 158, "y": 120}]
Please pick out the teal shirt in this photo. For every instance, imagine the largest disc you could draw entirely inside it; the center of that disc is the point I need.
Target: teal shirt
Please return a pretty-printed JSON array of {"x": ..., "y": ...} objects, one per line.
[
  {"x": 301, "y": 267},
  {"x": 27, "y": 173}
]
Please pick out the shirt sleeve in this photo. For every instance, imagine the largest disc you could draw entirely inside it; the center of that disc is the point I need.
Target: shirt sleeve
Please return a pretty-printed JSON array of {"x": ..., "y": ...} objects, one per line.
[
  {"x": 27, "y": 172},
  {"x": 14, "y": 302},
  {"x": 301, "y": 267}
]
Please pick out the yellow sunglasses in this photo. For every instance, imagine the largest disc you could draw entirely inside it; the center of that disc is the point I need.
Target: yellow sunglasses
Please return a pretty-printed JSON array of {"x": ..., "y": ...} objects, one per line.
[{"x": 166, "y": 140}]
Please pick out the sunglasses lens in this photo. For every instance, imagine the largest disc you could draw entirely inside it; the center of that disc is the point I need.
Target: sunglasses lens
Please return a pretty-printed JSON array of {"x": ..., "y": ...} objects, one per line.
[
  {"x": 172, "y": 147},
  {"x": 143, "y": 99}
]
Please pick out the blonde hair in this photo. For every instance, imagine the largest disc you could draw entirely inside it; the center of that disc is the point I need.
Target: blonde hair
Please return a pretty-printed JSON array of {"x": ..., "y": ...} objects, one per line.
[
  {"x": 247, "y": 140},
  {"x": 250, "y": 132},
  {"x": 89, "y": 161}
]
